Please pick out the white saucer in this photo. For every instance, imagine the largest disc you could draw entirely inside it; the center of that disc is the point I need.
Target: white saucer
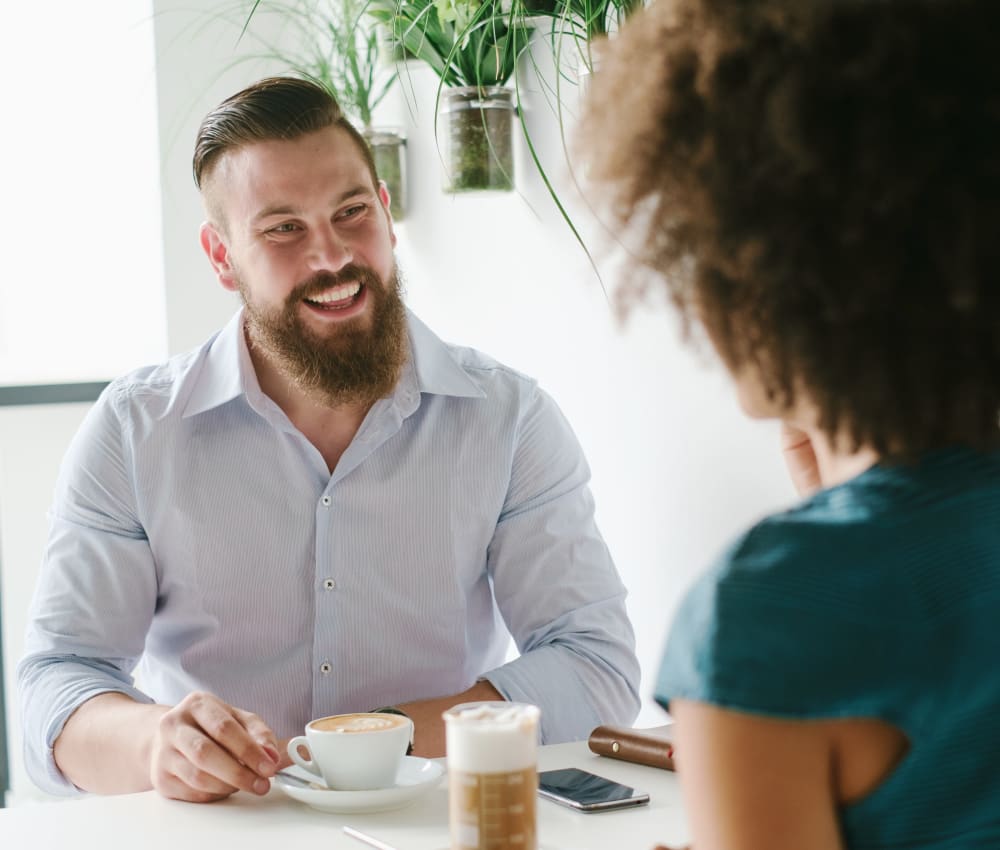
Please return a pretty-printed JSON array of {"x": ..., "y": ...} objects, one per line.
[{"x": 416, "y": 777}]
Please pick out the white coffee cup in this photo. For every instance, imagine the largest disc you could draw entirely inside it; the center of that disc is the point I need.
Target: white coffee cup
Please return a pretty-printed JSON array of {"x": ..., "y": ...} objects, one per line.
[{"x": 354, "y": 752}]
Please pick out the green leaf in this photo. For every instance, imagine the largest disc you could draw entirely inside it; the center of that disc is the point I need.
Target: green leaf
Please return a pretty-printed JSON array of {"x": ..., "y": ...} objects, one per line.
[{"x": 330, "y": 41}]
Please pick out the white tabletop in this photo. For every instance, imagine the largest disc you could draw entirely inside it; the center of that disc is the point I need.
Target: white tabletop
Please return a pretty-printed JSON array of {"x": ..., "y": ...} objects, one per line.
[{"x": 276, "y": 822}]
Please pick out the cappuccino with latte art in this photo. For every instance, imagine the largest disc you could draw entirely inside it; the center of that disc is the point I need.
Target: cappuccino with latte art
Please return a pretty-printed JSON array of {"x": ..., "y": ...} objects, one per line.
[{"x": 354, "y": 752}]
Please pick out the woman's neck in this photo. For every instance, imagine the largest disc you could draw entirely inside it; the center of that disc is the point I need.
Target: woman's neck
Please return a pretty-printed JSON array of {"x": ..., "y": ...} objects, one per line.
[{"x": 837, "y": 460}]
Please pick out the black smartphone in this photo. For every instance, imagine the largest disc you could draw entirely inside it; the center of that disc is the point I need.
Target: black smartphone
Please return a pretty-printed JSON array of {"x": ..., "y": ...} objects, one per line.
[{"x": 587, "y": 792}]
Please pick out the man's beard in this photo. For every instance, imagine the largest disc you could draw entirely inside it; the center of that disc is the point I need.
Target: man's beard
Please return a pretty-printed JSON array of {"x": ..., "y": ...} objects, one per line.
[{"x": 354, "y": 364}]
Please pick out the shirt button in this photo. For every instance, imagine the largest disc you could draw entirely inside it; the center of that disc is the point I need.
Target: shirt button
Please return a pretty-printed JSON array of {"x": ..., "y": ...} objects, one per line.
[
  {"x": 325, "y": 667},
  {"x": 329, "y": 583},
  {"x": 326, "y": 501}
]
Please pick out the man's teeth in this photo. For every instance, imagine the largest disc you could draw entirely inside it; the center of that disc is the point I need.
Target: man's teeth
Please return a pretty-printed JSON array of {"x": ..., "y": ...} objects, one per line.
[{"x": 338, "y": 293}]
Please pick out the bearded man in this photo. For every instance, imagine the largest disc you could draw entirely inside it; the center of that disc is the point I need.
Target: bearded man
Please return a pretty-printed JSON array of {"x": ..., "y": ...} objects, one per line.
[{"x": 323, "y": 509}]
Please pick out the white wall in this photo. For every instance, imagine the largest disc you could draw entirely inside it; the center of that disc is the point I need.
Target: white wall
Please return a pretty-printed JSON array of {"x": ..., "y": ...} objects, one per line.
[
  {"x": 56, "y": 168},
  {"x": 676, "y": 469}
]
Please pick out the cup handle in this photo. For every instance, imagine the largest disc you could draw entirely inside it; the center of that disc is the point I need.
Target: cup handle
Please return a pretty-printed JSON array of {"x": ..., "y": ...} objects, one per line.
[{"x": 306, "y": 764}]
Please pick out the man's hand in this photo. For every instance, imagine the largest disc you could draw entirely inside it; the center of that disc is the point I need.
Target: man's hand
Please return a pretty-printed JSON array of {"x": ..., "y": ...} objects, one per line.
[
  {"x": 204, "y": 749},
  {"x": 800, "y": 458},
  {"x": 200, "y": 750}
]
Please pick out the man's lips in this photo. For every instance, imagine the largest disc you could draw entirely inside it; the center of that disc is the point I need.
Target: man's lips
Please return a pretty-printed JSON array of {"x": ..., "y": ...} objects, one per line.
[{"x": 336, "y": 297}]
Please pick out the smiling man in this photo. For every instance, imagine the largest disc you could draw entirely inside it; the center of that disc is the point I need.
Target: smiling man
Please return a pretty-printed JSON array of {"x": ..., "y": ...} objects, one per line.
[{"x": 323, "y": 509}]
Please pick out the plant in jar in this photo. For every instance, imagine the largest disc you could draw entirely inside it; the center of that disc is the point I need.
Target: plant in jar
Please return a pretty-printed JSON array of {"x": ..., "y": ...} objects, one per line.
[{"x": 473, "y": 47}]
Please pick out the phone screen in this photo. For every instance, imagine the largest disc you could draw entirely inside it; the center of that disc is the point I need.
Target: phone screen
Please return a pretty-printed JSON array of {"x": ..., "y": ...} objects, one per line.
[{"x": 587, "y": 791}]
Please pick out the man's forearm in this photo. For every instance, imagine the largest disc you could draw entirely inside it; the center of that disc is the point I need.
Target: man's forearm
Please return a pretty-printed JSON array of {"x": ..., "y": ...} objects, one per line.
[
  {"x": 106, "y": 744},
  {"x": 428, "y": 725}
]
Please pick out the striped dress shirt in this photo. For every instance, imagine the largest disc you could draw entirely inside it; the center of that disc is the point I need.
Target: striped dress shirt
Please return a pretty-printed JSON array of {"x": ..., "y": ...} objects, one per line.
[{"x": 199, "y": 542}]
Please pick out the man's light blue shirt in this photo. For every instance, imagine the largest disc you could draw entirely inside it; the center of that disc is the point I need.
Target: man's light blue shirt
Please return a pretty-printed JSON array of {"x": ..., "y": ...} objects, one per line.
[{"x": 197, "y": 533}]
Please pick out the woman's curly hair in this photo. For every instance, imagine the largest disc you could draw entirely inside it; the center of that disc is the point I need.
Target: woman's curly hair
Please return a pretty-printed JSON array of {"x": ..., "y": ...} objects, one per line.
[{"x": 818, "y": 183}]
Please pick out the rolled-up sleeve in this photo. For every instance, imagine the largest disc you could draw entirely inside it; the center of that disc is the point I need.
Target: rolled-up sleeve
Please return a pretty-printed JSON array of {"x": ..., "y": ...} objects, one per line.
[
  {"x": 557, "y": 588},
  {"x": 95, "y": 595}
]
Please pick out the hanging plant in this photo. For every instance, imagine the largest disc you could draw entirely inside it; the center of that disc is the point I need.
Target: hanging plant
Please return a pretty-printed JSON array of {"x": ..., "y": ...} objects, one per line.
[{"x": 473, "y": 47}]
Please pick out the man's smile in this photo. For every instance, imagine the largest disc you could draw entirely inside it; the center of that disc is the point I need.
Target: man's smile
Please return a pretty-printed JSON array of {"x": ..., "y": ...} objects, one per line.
[{"x": 336, "y": 298}]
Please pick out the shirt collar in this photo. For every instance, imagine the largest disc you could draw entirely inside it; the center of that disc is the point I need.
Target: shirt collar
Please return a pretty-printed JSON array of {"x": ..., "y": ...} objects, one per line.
[
  {"x": 227, "y": 371},
  {"x": 438, "y": 372}
]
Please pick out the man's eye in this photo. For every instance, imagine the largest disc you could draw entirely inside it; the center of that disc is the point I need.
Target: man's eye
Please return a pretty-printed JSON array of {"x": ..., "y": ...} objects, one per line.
[
  {"x": 288, "y": 227},
  {"x": 353, "y": 211}
]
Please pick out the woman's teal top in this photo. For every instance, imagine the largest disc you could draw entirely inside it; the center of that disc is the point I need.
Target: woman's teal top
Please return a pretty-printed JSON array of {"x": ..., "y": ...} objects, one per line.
[{"x": 877, "y": 598}]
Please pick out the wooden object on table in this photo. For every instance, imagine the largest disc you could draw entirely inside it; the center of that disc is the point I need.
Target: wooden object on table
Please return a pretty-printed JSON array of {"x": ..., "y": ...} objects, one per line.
[{"x": 653, "y": 747}]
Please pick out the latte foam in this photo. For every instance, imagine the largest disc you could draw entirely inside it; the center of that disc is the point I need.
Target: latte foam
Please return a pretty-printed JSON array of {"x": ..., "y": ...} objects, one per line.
[
  {"x": 358, "y": 723},
  {"x": 492, "y": 737}
]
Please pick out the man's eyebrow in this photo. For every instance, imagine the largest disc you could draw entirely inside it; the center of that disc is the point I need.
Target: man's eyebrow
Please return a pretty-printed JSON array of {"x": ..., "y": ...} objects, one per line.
[
  {"x": 286, "y": 209},
  {"x": 356, "y": 191},
  {"x": 274, "y": 209}
]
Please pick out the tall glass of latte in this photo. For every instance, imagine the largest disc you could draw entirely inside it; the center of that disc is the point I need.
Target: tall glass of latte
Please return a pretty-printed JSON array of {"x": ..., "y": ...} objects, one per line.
[{"x": 492, "y": 750}]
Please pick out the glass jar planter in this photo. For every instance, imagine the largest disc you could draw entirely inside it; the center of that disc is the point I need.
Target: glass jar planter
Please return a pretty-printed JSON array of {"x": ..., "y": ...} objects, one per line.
[
  {"x": 476, "y": 130},
  {"x": 388, "y": 148}
]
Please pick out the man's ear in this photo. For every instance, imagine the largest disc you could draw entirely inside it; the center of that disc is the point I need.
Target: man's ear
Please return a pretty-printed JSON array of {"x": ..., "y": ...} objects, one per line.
[
  {"x": 217, "y": 252},
  {"x": 383, "y": 194}
]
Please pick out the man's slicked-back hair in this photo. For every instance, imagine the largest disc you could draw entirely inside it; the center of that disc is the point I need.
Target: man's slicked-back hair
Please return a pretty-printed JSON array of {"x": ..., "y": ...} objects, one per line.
[{"x": 275, "y": 108}]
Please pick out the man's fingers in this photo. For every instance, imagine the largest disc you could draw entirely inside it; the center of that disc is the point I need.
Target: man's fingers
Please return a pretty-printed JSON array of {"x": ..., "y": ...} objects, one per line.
[
  {"x": 284, "y": 760},
  {"x": 205, "y": 751},
  {"x": 174, "y": 776},
  {"x": 241, "y": 734},
  {"x": 174, "y": 788},
  {"x": 188, "y": 782},
  {"x": 206, "y": 764},
  {"x": 261, "y": 733}
]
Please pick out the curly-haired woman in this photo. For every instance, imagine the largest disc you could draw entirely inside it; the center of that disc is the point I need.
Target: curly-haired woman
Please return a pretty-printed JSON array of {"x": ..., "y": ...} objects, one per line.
[{"x": 816, "y": 184}]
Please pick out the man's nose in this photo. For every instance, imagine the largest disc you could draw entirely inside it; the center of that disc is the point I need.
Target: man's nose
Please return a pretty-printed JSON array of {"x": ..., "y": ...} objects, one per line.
[{"x": 329, "y": 251}]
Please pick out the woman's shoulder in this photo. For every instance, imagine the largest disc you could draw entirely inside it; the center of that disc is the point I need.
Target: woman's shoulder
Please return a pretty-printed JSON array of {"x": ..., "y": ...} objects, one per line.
[
  {"x": 833, "y": 545},
  {"x": 817, "y": 609},
  {"x": 810, "y": 589}
]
